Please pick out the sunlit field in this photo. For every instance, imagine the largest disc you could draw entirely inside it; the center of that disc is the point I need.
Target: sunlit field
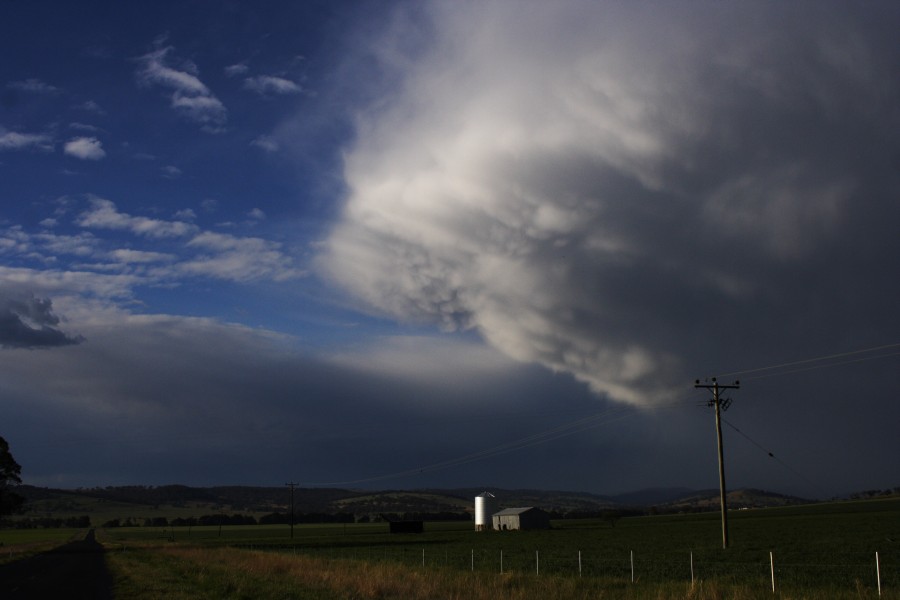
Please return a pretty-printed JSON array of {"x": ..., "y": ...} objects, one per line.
[{"x": 818, "y": 551}]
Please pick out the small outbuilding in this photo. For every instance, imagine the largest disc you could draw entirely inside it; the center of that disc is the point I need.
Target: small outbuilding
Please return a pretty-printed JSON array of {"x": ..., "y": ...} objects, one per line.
[
  {"x": 403, "y": 526},
  {"x": 527, "y": 517}
]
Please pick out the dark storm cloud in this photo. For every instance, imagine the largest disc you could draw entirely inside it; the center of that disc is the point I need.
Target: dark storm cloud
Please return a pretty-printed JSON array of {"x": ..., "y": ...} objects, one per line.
[
  {"x": 156, "y": 399},
  {"x": 29, "y": 322},
  {"x": 635, "y": 194}
]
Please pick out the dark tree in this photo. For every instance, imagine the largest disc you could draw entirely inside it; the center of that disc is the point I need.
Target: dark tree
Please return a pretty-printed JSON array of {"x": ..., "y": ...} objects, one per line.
[{"x": 9, "y": 478}]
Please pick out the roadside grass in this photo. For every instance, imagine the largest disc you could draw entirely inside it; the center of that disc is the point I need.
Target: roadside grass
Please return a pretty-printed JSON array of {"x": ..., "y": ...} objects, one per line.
[{"x": 203, "y": 573}]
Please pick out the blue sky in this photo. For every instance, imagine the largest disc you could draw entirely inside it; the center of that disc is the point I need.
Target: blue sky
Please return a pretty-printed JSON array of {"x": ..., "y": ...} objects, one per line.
[{"x": 443, "y": 244}]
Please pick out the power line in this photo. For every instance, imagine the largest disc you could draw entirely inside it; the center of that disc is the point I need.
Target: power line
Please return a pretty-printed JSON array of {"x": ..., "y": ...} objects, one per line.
[
  {"x": 566, "y": 429},
  {"x": 781, "y": 462},
  {"x": 596, "y": 420},
  {"x": 823, "y": 366},
  {"x": 819, "y": 359}
]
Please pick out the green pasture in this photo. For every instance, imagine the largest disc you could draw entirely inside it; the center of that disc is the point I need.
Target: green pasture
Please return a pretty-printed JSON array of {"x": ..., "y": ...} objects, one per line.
[
  {"x": 16, "y": 544},
  {"x": 828, "y": 547},
  {"x": 14, "y": 537}
]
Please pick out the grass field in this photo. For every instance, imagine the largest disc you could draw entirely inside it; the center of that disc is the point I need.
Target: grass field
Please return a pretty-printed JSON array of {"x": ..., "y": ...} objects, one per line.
[
  {"x": 16, "y": 544},
  {"x": 819, "y": 551}
]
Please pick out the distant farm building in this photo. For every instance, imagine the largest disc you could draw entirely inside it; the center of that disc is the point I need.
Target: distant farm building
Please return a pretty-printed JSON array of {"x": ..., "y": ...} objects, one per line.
[
  {"x": 400, "y": 526},
  {"x": 527, "y": 517}
]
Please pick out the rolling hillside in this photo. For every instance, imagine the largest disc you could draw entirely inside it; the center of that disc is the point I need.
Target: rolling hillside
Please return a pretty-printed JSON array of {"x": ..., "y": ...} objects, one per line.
[{"x": 139, "y": 503}]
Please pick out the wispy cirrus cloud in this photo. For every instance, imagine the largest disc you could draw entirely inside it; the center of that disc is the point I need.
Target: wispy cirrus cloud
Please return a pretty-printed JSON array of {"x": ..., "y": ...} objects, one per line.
[
  {"x": 156, "y": 72},
  {"x": 170, "y": 172},
  {"x": 236, "y": 69},
  {"x": 103, "y": 214},
  {"x": 239, "y": 258},
  {"x": 91, "y": 106},
  {"x": 270, "y": 85},
  {"x": 13, "y": 140},
  {"x": 176, "y": 249},
  {"x": 267, "y": 143},
  {"x": 190, "y": 97},
  {"x": 127, "y": 255},
  {"x": 32, "y": 86}
]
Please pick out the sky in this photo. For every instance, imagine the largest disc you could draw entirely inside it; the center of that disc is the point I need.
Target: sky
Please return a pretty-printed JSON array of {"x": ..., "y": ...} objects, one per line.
[{"x": 398, "y": 245}]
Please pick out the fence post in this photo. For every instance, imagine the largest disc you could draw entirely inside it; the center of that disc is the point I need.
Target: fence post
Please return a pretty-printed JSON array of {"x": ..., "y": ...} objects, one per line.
[
  {"x": 423, "y": 558},
  {"x": 692, "y": 569},
  {"x": 501, "y": 562},
  {"x": 878, "y": 572},
  {"x": 632, "y": 566},
  {"x": 579, "y": 563},
  {"x": 537, "y": 563},
  {"x": 772, "y": 568},
  {"x": 473, "y": 560}
]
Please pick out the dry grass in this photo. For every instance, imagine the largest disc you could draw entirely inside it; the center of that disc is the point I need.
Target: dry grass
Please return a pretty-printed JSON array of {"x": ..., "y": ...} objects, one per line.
[{"x": 183, "y": 572}]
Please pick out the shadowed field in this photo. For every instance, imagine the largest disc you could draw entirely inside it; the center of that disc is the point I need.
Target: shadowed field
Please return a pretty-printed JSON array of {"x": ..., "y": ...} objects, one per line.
[{"x": 76, "y": 569}]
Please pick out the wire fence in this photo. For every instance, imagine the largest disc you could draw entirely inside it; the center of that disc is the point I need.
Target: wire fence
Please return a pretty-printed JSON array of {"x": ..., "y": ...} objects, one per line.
[{"x": 862, "y": 570}]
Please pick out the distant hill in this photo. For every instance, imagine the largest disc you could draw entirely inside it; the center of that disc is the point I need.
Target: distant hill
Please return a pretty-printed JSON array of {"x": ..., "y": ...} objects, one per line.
[
  {"x": 654, "y": 496},
  {"x": 141, "y": 502},
  {"x": 736, "y": 499}
]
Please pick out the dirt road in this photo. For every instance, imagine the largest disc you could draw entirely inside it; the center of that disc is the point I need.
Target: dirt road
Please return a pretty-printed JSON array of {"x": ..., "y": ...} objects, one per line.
[{"x": 73, "y": 570}]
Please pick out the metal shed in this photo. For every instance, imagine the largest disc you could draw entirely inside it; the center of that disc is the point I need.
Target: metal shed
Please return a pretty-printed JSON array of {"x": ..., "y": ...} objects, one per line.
[{"x": 527, "y": 517}]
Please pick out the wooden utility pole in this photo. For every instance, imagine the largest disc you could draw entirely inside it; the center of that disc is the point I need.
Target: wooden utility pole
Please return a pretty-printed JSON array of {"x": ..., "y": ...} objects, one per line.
[
  {"x": 720, "y": 405},
  {"x": 292, "y": 485}
]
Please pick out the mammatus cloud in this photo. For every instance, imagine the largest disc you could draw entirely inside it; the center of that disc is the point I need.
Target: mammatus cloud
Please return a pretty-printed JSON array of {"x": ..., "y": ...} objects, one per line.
[
  {"x": 190, "y": 96},
  {"x": 85, "y": 148},
  {"x": 601, "y": 187},
  {"x": 29, "y": 322}
]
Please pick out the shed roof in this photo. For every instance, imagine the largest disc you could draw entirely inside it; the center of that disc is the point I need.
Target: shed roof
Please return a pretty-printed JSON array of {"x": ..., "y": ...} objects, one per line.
[{"x": 513, "y": 511}]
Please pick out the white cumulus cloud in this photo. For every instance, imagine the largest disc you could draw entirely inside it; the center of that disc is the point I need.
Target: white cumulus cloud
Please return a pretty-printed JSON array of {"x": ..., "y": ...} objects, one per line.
[{"x": 85, "y": 148}]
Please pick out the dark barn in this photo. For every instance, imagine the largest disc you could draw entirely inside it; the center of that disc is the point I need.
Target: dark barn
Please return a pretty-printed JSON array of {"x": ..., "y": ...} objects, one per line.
[{"x": 397, "y": 526}]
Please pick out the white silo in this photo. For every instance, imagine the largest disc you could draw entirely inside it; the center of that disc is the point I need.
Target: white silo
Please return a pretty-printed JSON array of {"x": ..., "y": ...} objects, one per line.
[{"x": 485, "y": 507}]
